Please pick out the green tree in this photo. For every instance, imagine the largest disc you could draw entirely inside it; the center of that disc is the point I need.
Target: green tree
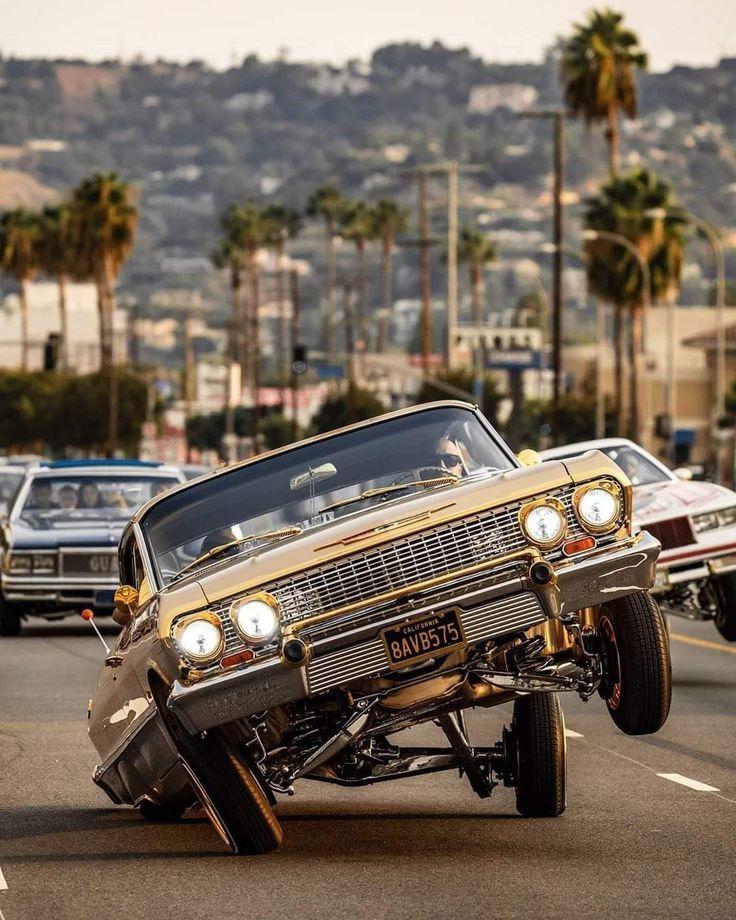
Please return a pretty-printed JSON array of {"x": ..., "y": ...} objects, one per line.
[
  {"x": 597, "y": 71},
  {"x": 358, "y": 224},
  {"x": 642, "y": 208},
  {"x": 20, "y": 232},
  {"x": 105, "y": 219},
  {"x": 458, "y": 384},
  {"x": 390, "y": 220},
  {"x": 354, "y": 404},
  {"x": 58, "y": 258},
  {"x": 286, "y": 224},
  {"x": 329, "y": 204},
  {"x": 477, "y": 250}
]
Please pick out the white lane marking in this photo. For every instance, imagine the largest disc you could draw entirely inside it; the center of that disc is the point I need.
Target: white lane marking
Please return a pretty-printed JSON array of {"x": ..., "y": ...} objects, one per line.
[
  {"x": 569, "y": 733},
  {"x": 690, "y": 783},
  {"x": 3, "y": 883}
]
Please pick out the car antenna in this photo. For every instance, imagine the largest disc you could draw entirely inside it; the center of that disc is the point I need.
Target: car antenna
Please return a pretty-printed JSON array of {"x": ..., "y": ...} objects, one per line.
[{"x": 89, "y": 617}]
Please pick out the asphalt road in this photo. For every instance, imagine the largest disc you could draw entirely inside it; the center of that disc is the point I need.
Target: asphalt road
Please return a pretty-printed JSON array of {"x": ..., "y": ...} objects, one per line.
[{"x": 631, "y": 844}]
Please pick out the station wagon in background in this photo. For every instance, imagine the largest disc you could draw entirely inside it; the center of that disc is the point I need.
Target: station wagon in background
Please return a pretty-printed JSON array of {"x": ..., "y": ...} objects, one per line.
[
  {"x": 285, "y": 617},
  {"x": 694, "y": 521},
  {"x": 59, "y": 537}
]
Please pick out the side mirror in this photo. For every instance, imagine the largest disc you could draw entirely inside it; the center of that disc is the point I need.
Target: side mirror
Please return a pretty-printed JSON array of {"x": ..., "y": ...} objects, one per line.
[
  {"x": 683, "y": 473},
  {"x": 126, "y": 604},
  {"x": 528, "y": 457}
]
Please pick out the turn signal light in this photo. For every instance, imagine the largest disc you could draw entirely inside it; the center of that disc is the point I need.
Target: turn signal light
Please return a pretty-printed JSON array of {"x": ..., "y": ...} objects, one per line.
[
  {"x": 238, "y": 658},
  {"x": 578, "y": 546}
]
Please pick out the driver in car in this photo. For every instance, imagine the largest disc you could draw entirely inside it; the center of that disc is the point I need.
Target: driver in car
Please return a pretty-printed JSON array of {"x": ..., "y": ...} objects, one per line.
[{"x": 448, "y": 457}]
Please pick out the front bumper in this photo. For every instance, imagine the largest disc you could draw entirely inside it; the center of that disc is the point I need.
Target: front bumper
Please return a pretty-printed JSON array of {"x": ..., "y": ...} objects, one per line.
[
  {"x": 682, "y": 566},
  {"x": 508, "y": 606},
  {"x": 48, "y": 594}
]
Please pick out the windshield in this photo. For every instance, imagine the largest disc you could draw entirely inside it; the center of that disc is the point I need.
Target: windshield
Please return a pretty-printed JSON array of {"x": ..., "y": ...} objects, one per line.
[
  {"x": 9, "y": 482},
  {"x": 640, "y": 469},
  {"x": 281, "y": 496},
  {"x": 53, "y": 501}
]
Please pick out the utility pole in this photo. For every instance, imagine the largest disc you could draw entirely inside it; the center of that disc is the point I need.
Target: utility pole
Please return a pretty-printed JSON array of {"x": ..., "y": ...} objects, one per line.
[
  {"x": 424, "y": 242},
  {"x": 451, "y": 262},
  {"x": 294, "y": 285},
  {"x": 349, "y": 331},
  {"x": 558, "y": 118}
]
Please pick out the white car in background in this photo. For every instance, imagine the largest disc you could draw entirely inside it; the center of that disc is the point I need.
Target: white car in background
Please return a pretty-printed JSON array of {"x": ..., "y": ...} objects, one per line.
[{"x": 694, "y": 521}]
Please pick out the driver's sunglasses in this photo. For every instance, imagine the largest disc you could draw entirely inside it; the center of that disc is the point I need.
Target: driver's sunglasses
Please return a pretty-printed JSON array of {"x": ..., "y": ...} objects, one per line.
[{"x": 449, "y": 459}]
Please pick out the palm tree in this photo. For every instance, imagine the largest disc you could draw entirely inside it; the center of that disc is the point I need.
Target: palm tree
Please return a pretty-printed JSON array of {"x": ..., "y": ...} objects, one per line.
[
  {"x": 247, "y": 230},
  {"x": 358, "y": 224},
  {"x": 105, "y": 219},
  {"x": 597, "y": 70},
  {"x": 475, "y": 248},
  {"x": 641, "y": 208},
  {"x": 58, "y": 259},
  {"x": 390, "y": 220},
  {"x": 327, "y": 202},
  {"x": 286, "y": 224},
  {"x": 20, "y": 231}
]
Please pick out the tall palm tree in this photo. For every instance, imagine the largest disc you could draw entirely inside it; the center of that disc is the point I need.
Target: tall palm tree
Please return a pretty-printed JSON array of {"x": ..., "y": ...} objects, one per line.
[
  {"x": 329, "y": 204},
  {"x": 358, "y": 224},
  {"x": 20, "y": 231},
  {"x": 643, "y": 209},
  {"x": 390, "y": 220},
  {"x": 59, "y": 260},
  {"x": 105, "y": 219},
  {"x": 597, "y": 70},
  {"x": 477, "y": 250},
  {"x": 247, "y": 230},
  {"x": 285, "y": 224}
]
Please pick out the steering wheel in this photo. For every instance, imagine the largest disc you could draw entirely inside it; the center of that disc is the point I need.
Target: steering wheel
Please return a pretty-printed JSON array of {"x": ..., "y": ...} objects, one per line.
[{"x": 439, "y": 472}]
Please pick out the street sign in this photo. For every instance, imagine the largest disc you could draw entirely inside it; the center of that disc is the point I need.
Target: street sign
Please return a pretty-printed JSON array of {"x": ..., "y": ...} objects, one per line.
[
  {"x": 330, "y": 371},
  {"x": 515, "y": 359}
]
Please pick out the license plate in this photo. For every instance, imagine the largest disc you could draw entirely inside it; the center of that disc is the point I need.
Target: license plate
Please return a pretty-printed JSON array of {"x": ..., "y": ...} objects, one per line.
[
  {"x": 105, "y": 598},
  {"x": 102, "y": 564},
  {"x": 424, "y": 638}
]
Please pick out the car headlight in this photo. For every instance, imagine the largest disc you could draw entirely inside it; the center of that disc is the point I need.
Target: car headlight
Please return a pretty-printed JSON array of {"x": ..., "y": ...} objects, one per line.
[
  {"x": 200, "y": 637},
  {"x": 44, "y": 563},
  {"x": 19, "y": 565},
  {"x": 703, "y": 522},
  {"x": 727, "y": 516},
  {"x": 599, "y": 506},
  {"x": 256, "y": 618},
  {"x": 544, "y": 522}
]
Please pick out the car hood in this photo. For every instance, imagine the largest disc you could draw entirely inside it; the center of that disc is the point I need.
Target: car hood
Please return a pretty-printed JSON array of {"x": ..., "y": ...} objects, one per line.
[
  {"x": 663, "y": 500},
  {"x": 365, "y": 529},
  {"x": 104, "y": 536}
]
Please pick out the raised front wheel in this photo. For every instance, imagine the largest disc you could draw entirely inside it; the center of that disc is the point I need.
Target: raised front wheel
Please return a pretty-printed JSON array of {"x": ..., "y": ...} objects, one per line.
[{"x": 637, "y": 686}]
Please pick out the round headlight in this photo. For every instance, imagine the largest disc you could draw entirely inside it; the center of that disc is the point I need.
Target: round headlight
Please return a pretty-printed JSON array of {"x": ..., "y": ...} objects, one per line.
[
  {"x": 598, "y": 508},
  {"x": 544, "y": 524},
  {"x": 256, "y": 618},
  {"x": 200, "y": 639}
]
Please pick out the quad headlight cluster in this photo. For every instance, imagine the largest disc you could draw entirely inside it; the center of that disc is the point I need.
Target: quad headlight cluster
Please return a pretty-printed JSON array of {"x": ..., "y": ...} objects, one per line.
[
  {"x": 201, "y": 637},
  {"x": 598, "y": 507},
  {"x": 712, "y": 520},
  {"x": 32, "y": 563}
]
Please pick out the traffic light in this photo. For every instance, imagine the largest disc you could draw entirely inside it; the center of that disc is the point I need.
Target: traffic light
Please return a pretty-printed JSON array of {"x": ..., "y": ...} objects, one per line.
[
  {"x": 51, "y": 351},
  {"x": 299, "y": 359}
]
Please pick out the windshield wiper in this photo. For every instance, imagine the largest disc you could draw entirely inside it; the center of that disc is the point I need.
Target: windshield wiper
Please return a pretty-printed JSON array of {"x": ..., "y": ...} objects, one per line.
[
  {"x": 251, "y": 538},
  {"x": 388, "y": 490}
]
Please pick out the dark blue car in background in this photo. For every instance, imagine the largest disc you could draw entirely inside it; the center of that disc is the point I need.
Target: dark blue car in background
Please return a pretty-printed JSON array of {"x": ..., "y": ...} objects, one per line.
[{"x": 59, "y": 538}]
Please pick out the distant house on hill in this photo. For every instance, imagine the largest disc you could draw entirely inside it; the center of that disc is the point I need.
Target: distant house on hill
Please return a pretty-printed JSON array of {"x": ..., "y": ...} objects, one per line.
[{"x": 514, "y": 96}]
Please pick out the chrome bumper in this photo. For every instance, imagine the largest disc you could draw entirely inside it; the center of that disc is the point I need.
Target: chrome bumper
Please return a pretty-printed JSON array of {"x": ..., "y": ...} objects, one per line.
[
  {"x": 506, "y": 607},
  {"x": 698, "y": 569},
  {"x": 59, "y": 591}
]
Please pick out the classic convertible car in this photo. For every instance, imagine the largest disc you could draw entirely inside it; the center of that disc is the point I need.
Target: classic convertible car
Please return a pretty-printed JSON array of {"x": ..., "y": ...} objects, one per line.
[
  {"x": 58, "y": 540},
  {"x": 694, "y": 521},
  {"x": 284, "y": 617}
]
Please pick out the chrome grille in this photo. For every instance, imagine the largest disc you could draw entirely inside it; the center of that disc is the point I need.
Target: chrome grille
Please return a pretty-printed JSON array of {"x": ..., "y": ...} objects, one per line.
[
  {"x": 368, "y": 659},
  {"x": 393, "y": 566}
]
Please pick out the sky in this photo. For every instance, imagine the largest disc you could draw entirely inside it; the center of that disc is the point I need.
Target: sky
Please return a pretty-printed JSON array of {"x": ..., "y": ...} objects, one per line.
[{"x": 222, "y": 32}]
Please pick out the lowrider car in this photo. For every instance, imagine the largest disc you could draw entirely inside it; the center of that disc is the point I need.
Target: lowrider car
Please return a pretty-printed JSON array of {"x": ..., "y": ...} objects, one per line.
[
  {"x": 283, "y": 618},
  {"x": 58, "y": 541},
  {"x": 694, "y": 521}
]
